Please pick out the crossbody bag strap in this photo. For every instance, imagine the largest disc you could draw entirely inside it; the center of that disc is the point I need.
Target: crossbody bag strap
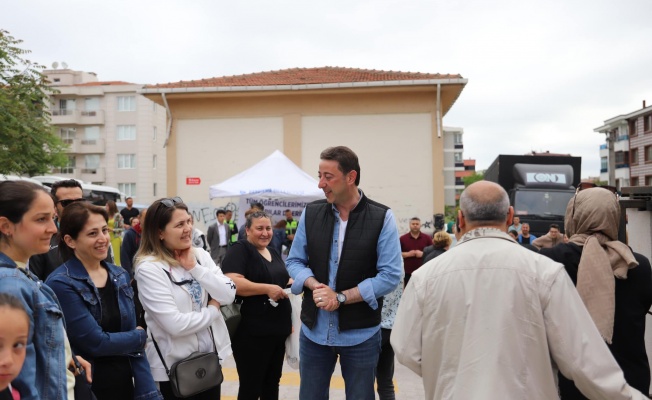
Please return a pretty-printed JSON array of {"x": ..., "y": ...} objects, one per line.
[{"x": 167, "y": 371}]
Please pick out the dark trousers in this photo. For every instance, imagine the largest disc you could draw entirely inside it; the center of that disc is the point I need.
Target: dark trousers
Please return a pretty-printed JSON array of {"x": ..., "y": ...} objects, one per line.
[
  {"x": 385, "y": 368},
  {"x": 166, "y": 391},
  {"x": 259, "y": 361}
]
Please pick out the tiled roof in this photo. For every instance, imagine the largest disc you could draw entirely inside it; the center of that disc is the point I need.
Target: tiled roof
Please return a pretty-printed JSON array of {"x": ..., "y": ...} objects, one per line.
[
  {"x": 305, "y": 76},
  {"x": 105, "y": 83}
]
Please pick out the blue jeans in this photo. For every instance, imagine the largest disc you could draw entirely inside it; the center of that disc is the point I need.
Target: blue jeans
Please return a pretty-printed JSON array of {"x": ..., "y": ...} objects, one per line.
[{"x": 317, "y": 363}]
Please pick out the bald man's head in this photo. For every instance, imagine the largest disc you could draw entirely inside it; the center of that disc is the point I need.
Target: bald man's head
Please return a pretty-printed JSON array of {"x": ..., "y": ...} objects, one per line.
[{"x": 484, "y": 203}]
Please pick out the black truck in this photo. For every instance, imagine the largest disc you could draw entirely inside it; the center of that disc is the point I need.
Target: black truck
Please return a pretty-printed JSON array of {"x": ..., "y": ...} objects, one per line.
[{"x": 539, "y": 187}]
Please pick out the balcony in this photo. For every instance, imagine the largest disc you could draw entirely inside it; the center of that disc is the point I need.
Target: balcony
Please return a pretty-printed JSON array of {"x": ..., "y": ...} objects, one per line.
[
  {"x": 92, "y": 174},
  {"x": 66, "y": 172},
  {"x": 85, "y": 146},
  {"x": 77, "y": 117}
]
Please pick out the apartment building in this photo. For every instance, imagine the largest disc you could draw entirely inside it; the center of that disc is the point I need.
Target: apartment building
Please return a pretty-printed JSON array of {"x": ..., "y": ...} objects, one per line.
[
  {"x": 631, "y": 135},
  {"x": 453, "y": 164},
  {"x": 115, "y": 135}
]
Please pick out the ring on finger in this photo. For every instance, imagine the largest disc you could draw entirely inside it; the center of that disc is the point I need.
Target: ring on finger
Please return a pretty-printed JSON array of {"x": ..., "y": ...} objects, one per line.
[{"x": 319, "y": 300}]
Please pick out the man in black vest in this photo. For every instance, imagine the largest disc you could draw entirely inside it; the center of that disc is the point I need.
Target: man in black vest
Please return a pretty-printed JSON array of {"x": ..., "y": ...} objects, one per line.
[{"x": 345, "y": 256}]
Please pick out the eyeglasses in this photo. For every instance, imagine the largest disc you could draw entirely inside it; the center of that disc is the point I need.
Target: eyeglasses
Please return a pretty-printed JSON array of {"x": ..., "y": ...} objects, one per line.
[
  {"x": 590, "y": 185},
  {"x": 65, "y": 203},
  {"x": 171, "y": 201}
]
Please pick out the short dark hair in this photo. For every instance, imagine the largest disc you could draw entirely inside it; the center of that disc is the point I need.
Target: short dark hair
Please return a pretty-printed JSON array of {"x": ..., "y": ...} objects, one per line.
[
  {"x": 346, "y": 159},
  {"x": 220, "y": 211},
  {"x": 554, "y": 226},
  {"x": 258, "y": 205},
  {"x": 66, "y": 183},
  {"x": 415, "y": 219},
  {"x": 288, "y": 210},
  {"x": 72, "y": 221}
]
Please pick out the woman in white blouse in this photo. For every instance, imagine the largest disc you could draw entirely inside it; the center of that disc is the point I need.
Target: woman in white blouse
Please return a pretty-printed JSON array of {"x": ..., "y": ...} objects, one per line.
[{"x": 175, "y": 281}]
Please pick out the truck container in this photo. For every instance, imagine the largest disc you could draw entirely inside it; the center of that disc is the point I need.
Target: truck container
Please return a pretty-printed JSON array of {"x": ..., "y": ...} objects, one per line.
[{"x": 539, "y": 187}]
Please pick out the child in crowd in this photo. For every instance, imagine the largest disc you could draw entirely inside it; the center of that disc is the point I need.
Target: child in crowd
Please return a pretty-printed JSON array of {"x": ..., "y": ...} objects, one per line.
[{"x": 14, "y": 328}]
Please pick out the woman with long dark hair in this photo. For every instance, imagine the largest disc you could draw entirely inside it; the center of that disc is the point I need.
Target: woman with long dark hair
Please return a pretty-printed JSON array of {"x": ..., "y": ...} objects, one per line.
[
  {"x": 26, "y": 227},
  {"x": 98, "y": 303}
]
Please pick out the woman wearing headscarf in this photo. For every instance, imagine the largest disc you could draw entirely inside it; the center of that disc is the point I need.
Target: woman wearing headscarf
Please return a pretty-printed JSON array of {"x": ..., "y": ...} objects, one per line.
[{"x": 614, "y": 283}]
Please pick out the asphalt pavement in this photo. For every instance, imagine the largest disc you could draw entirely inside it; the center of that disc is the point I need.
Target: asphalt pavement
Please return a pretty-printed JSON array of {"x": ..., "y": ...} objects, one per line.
[{"x": 408, "y": 385}]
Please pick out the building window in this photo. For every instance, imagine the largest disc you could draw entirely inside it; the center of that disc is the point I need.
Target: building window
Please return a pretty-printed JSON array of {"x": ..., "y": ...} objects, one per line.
[
  {"x": 154, "y": 133},
  {"x": 604, "y": 164},
  {"x": 458, "y": 138},
  {"x": 620, "y": 157},
  {"x": 126, "y": 161},
  {"x": 91, "y": 135},
  {"x": 633, "y": 181},
  {"x": 70, "y": 167},
  {"x": 92, "y": 163},
  {"x": 647, "y": 123},
  {"x": 126, "y": 132},
  {"x": 129, "y": 189},
  {"x": 648, "y": 180},
  {"x": 154, "y": 189},
  {"x": 67, "y": 134},
  {"x": 126, "y": 103},
  {"x": 459, "y": 158},
  {"x": 632, "y": 128},
  {"x": 154, "y": 161},
  {"x": 67, "y": 104},
  {"x": 633, "y": 156},
  {"x": 648, "y": 154}
]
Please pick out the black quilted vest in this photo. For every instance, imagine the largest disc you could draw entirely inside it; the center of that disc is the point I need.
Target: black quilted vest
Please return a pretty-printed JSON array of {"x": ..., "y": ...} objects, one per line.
[{"x": 357, "y": 262}]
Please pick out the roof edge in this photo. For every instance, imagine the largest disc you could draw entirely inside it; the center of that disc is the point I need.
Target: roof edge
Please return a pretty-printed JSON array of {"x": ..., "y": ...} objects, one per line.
[
  {"x": 313, "y": 86},
  {"x": 609, "y": 124}
]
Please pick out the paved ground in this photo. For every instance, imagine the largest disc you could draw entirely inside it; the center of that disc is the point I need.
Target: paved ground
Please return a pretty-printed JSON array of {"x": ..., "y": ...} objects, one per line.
[{"x": 408, "y": 384}]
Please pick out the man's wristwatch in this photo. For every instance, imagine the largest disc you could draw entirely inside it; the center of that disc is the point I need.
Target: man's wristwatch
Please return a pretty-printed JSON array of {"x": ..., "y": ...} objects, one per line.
[{"x": 341, "y": 298}]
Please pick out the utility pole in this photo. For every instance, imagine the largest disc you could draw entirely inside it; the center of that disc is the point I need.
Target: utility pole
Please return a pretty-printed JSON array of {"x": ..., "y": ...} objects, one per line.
[{"x": 611, "y": 139}]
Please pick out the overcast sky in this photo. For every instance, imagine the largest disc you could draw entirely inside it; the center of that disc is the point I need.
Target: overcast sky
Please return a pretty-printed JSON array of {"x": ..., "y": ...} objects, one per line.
[{"x": 542, "y": 74}]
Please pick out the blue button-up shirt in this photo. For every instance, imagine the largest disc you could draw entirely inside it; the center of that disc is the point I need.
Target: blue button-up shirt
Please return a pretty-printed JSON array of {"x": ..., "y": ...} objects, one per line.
[{"x": 326, "y": 329}]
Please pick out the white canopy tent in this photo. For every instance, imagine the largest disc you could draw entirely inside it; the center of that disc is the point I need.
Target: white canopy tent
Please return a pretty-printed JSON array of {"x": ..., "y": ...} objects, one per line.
[
  {"x": 276, "y": 182},
  {"x": 275, "y": 177}
]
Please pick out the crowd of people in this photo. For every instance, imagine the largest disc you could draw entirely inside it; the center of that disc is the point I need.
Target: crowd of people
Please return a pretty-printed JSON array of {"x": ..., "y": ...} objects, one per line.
[{"x": 500, "y": 314}]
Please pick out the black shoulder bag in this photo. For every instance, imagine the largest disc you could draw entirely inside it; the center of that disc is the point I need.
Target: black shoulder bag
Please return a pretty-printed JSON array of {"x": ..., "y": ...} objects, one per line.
[{"x": 194, "y": 374}]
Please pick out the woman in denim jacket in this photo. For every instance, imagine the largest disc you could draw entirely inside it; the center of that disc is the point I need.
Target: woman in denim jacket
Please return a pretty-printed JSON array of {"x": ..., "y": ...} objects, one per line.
[
  {"x": 26, "y": 226},
  {"x": 98, "y": 303}
]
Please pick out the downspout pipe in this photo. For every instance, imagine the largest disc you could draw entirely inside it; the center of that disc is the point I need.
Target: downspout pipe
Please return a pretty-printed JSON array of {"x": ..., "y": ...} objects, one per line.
[
  {"x": 438, "y": 111},
  {"x": 169, "y": 124}
]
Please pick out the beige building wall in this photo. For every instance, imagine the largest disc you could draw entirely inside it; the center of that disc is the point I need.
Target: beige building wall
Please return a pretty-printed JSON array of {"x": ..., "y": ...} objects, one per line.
[
  {"x": 393, "y": 130},
  {"x": 218, "y": 149},
  {"x": 395, "y": 157}
]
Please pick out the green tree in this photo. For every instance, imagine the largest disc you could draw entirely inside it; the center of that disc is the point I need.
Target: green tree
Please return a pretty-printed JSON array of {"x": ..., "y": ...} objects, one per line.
[
  {"x": 477, "y": 176},
  {"x": 28, "y": 144}
]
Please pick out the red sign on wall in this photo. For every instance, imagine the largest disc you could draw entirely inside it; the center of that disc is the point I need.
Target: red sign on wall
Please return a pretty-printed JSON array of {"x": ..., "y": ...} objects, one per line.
[{"x": 193, "y": 181}]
